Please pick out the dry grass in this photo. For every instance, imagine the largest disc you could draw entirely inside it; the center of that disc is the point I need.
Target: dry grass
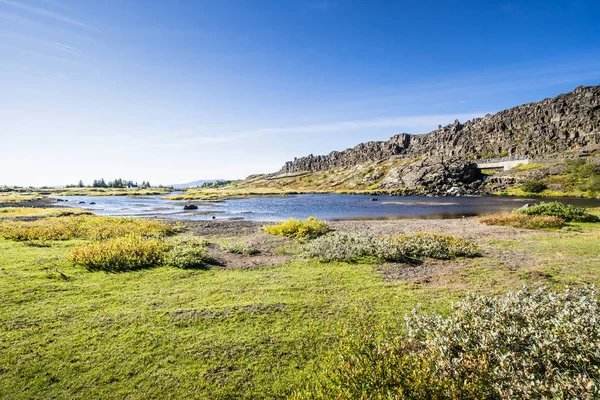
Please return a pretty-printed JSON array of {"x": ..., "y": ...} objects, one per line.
[
  {"x": 309, "y": 228},
  {"x": 14, "y": 212},
  {"x": 84, "y": 227},
  {"x": 11, "y": 197},
  {"x": 120, "y": 254},
  {"x": 523, "y": 221}
]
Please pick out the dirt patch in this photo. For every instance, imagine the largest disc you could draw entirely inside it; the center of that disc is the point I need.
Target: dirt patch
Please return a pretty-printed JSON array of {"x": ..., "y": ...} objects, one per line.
[
  {"x": 267, "y": 254},
  {"x": 425, "y": 272},
  {"x": 223, "y": 227},
  {"x": 466, "y": 228}
]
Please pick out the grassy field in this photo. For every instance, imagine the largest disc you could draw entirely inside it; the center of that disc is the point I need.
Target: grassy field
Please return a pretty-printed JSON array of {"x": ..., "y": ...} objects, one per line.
[
  {"x": 21, "y": 194},
  {"x": 14, "y": 212},
  {"x": 224, "y": 333}
]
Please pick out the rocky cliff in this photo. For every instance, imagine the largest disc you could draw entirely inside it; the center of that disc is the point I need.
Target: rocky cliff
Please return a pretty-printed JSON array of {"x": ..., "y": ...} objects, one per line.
[{"x": 569, "y": 122}]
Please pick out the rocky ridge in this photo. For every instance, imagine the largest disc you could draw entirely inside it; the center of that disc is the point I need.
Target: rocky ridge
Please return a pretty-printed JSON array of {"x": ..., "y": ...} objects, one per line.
[{"x": 567, "y": 123}]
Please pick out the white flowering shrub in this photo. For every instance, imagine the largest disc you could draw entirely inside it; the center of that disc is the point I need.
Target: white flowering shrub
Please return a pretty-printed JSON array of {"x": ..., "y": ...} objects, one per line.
[
  {"x": 532, "y": 344},
  {"x": 342, "y": 246},
  {"x": 436, "y": 245}
]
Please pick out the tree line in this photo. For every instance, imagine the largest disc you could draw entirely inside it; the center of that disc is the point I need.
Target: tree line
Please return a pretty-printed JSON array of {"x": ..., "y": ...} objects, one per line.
[{"x": 117, "y": 184}]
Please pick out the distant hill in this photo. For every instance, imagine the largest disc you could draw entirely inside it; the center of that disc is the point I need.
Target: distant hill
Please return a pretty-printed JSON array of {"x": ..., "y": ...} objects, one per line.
[{"x": 198, "y": 183}]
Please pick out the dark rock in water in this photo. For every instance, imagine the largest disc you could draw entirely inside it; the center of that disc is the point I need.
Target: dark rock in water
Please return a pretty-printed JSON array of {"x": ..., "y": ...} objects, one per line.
[
  {"x": 82, "y": 202},
  {"x": 60, "y": 200},
  {"x": 190, "y": 207},
  {"x": 374, "y": 199},
  {"x": 214, "y": 217},
  {"x": 92, "y": 202}
]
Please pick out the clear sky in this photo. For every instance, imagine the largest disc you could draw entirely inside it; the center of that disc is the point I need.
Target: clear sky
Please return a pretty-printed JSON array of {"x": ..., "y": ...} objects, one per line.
[{"x": 174, "y": 91}]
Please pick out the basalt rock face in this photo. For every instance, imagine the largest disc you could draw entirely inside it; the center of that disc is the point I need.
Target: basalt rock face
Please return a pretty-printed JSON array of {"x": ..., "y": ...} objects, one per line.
[
  {"x": 364, "y": 152},
  {"x": 569, "y": 122},
  {"x": 432, "y": 174}
]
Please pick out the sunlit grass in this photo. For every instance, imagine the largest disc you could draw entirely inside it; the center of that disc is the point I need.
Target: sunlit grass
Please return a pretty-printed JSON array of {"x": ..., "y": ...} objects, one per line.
[
  {"x": 12, "y": 212},
  {"x": 82, "y": 227},
  {"x": 11, "y": 197},
  {"x": 523, "y": 221},
  {"x": 309, "y": 228}
]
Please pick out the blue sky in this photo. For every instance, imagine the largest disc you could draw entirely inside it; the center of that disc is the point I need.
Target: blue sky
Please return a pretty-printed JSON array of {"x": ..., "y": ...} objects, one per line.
[{"x": 174, "y": 91}]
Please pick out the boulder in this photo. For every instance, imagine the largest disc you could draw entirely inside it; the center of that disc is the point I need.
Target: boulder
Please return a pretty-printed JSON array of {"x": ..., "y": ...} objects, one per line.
[
  {"x": 433, "y": 175},
  {"x": 190, "y": 207}
]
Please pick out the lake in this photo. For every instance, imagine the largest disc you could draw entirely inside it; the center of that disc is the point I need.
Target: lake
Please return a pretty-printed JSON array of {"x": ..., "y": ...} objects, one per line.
[{"x": 323, "y": 206}]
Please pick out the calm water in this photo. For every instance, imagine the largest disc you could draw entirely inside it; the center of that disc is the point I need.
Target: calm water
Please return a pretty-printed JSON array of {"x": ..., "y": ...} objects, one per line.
[{"x": 324, "y": 206}]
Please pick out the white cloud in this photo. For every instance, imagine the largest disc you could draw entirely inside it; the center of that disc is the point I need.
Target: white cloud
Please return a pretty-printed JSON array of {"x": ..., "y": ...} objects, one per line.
[
  {"x": 409, "y": 124},
  {"x": 47, "y": 13}
]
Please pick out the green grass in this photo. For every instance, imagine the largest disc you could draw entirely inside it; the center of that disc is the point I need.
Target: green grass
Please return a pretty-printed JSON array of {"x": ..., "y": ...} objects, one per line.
[
  {"x": 66, "y": 332},
  {"x": 15, "y": 212}
]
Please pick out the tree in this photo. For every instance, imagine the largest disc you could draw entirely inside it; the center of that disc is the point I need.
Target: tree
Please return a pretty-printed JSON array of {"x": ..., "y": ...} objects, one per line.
[{"x": 80, "y": 184}]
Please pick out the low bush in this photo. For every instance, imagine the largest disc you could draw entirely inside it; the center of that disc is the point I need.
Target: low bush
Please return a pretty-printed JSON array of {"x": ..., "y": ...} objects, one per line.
[
  {"x": 530, "y": 344},
  {"x": 341, "y": 246},
  {"x": 83, "y": 227},
  {"x": 565, "y": 211},
  {"x": 126, "y": 253},
  {"x": 188, "y": 252},
  {"x": 436, "y": 245},
  {"x": 309, "y": 228},
  {"x": 534, "y": 187},
  {"x": 239, "y": 248},
  {"x": 523, "y": 221}
]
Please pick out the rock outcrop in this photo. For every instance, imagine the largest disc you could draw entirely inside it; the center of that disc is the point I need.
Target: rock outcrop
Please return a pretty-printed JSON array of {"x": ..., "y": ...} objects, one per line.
[
  {"x": 432, "y": 175},
  {"x": 569, "y": 122}
]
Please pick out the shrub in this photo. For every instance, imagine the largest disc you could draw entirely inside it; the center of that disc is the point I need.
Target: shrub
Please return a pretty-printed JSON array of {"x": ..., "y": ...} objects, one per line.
[
  {"x": 341, "y": 246},
  {"x": 239, "y": 248},
  {"x": 524, "y": 345},
  {"x": 436, "y": 245},
  {"x": 309, "y": 228},
  {"x": 523, "y": 221},
  {"x": 84, "y": 227},
  {"x": 565, "y": 211},
  {"x": 534, "y": 187},
  {"x": 126, "y": 253},
  {"x": 188, "y": 252}
]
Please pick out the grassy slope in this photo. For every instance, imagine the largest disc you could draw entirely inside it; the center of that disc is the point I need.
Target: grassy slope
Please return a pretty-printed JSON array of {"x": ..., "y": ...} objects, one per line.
[
  {"x": 240, "y": 334},
  {"x": 561, "y": 179},
  {"x": 362, "y": 178}
]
